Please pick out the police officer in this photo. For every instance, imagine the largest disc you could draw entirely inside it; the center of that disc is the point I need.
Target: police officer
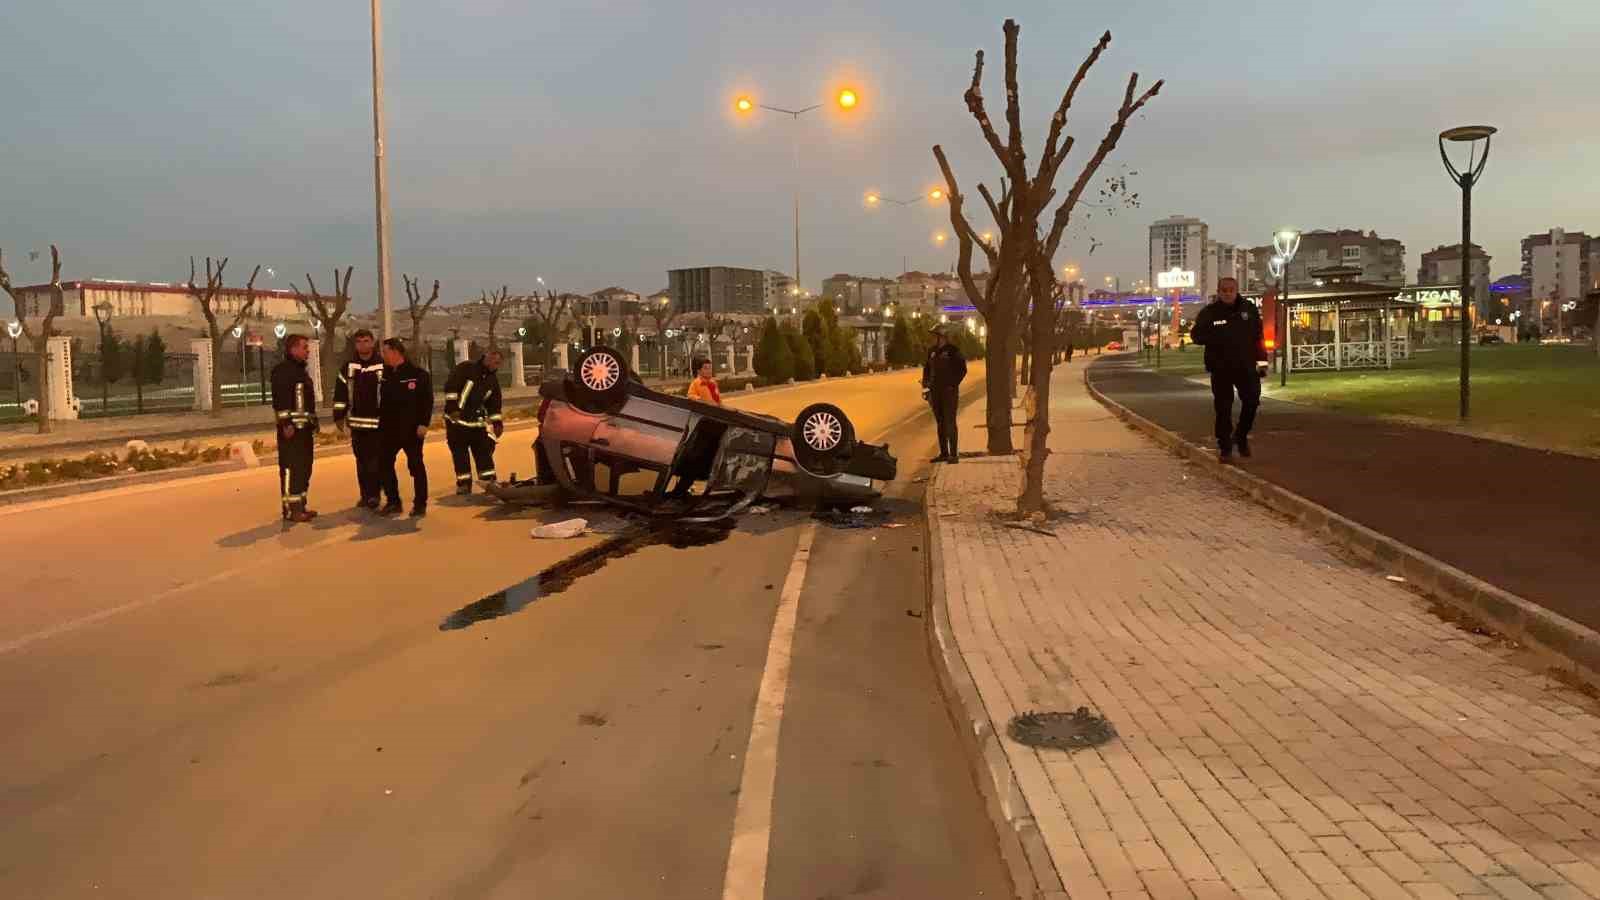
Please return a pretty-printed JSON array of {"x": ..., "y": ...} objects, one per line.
[
  {"x": 405, "y": 410},
  {"x": 294, "y": 403},
  {"x": 942, "y": 373},
  {"x": 355, "y": 402},
  {"x": 472, "y": 418},
  {"x": 1236, "y": 356}
]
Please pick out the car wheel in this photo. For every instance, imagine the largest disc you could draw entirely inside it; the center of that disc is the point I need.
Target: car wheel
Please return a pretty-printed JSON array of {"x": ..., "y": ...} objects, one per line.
[
  {"x": 600, "y": 381},
  {"x": 822, "y": 435}
]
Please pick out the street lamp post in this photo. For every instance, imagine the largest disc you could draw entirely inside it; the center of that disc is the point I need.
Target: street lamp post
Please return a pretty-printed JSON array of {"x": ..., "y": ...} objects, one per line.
[
  {"x": 379, "y": 178},
  {"x": 1287, "y": 243},
  {"x": 847, "y": 99},
  {"x": 1469, "y": 135},
  {"x": 102, "y": 316}
]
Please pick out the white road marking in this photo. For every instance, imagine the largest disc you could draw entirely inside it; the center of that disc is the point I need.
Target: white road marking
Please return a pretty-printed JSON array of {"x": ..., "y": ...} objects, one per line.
[
  {"x": 71, "y": 625},
  {"x": 746, "y": 877}
]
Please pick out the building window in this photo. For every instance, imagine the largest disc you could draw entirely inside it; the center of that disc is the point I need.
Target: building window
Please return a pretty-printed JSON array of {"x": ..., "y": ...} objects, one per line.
[{"x": 1352, "y": 253}]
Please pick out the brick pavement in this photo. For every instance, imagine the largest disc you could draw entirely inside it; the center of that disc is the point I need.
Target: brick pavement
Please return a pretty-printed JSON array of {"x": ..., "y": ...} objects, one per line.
[{"x": 1290, "y": 723}]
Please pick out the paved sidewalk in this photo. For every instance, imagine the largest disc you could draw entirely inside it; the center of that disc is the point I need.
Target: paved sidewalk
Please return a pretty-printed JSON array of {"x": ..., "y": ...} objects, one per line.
[
  {"x": 1521, "y": 519},
  {"x": 1290, "y": 723}
]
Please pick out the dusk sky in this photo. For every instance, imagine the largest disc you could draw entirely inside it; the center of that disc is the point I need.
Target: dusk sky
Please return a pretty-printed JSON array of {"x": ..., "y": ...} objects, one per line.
[{"x": 593, "y": 143}]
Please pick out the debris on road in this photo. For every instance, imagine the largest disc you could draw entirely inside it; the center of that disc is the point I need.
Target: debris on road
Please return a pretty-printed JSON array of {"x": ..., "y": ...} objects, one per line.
[
  {"x": 1395, "y": 578},
  {"x": 913, "y": 614},
  {"x": 861, "y": 509},
  {"x": 570, "y": 528},
  {"x": 1024, "y": 526},
  {"x": 895, "y": 525},
  {"x": 759, "y": 510},
  {"x": 839, "y": 518}
]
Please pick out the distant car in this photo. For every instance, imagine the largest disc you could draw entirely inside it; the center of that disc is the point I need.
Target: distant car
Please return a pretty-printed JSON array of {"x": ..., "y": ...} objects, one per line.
[
  {"x": 605, "y": 436},
  {"x": 1114, "y": 345},
  {"x": 1490, "y": 339}
]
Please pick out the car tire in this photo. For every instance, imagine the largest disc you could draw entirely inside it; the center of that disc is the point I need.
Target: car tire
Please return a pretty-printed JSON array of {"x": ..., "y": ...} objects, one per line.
[
  {"x": 822, "y": 436},
  {"x": 600, "y": 381}
]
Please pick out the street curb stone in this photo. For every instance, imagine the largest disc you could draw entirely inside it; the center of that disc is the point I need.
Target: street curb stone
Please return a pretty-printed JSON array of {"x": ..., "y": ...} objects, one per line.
[
  {"x": 1033, "y": 874},
  {"x": 1575, "y": 646}
]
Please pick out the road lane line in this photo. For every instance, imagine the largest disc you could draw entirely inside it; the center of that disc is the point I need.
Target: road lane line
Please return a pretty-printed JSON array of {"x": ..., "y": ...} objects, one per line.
[
  {"x": 71, "y": 625},
  {"x": 746, "y": 877}
]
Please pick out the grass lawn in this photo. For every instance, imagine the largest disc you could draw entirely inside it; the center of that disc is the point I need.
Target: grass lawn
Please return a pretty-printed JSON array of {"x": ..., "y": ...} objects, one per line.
[{"x": 1548, "y": 396}]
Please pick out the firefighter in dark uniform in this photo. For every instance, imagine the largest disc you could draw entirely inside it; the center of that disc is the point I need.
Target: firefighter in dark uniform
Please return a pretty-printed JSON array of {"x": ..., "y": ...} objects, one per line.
[
  {"x": 1236, "y": 356},
  {"x": 942, "y": 373},
  {"x": 404, "y": 412},
  {"x": 294, "y": 403},
  {"x": 355, "y": 404},
  {"x": 472, "y": 418}
]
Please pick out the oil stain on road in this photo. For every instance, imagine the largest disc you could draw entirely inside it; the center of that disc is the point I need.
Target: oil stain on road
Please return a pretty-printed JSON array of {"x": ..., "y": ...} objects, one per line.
[{"x": 564, "y": 574}]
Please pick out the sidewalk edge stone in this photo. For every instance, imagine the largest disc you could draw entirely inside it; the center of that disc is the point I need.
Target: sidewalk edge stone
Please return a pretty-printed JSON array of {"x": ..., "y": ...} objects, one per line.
[
  {"x": 1522, "y": 620},
  {"x": 1033, "y": 873}
]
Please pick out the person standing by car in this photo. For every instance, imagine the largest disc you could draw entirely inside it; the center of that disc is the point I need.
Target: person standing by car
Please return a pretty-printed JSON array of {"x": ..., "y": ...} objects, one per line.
[
  {"x": 294, "y": 404},
  {"x": 1236, "y": 356},
  {"x": 472, "y": 421},
  {"x": 942, "y": 373},
  {"x": 355, "y": 404},
  {"x": 405, "y": 409},
  {"x": 704, "y": 385}
]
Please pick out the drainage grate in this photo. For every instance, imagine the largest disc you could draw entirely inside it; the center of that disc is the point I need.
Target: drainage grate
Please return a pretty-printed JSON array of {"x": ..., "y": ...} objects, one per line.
[{"x": 1061, "y": 731}]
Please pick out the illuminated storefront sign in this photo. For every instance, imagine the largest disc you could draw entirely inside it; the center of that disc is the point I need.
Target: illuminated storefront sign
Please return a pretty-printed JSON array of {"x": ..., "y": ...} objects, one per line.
[{"x": 1430, "y": 297}]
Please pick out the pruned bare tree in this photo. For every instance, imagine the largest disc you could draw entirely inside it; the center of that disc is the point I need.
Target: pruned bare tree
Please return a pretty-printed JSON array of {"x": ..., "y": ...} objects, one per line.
[
  {"x": 418, "y": 308},
  {"x": 326, "y": 313},
  {"x": 38, "y": 340},
  {"x": 552, "y": 312},
  {"x": 1022, "y": 267},
  {"x": 497, "y": 303},
  {"x": 209, "y": 297}
]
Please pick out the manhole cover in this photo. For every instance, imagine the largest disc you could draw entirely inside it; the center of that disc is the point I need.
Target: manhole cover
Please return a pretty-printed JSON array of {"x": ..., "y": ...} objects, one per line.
[{"x": 1062, "y": 731}]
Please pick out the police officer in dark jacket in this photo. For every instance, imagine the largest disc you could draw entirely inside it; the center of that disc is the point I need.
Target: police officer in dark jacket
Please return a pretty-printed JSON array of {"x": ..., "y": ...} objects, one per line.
[
  {"x": 472, "y": 418},
  {"x": 942, "y": 373},
  {"x": 405, "y": 409},
  {"x": 1236, "y": 356},
  {"x": 355, "y": 403},
  {"x": 294, "y": 403}
]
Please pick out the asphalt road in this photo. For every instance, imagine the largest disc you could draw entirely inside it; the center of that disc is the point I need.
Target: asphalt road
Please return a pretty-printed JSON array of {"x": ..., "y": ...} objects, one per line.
[{"x": 201, "y": 703}]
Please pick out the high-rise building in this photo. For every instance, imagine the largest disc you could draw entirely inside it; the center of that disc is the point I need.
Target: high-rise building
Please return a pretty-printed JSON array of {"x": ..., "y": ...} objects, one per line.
[
  {"x": 1224, "y": 261},
  {"x": 1182, "y": 242},
  {"x": 1561, "y": 265},
  {"x": 1381, "y": 260},
  {"x": 718, "y": 289},
  {"x": 1442, "y": 265}
]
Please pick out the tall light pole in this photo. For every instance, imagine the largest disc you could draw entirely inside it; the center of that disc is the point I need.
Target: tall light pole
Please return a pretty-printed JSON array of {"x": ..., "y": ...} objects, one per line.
[
  {"x": 102, "y": 316},
  {"x": 846, "y": 99},
  {"x": 1469, "y": 135},
  {"x": 1287, "y": 243},
  {"x": 875, "y": 200},
  {"x": 379, "y": 179}
]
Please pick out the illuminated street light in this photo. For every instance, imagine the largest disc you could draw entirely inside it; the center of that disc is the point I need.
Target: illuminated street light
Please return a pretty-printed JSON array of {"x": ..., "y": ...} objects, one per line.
[
  {"x": 1466, "y": 178},
  {"x": 939, "y": 238},
  {"x": 847, "y": 99},
  {"x": 1287, "y": 243},
  {"x": 936, "y": 195}
]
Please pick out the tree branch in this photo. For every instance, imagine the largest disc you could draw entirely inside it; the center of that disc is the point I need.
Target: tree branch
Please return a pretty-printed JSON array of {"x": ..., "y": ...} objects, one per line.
[
  {"x": 1052, "y": 158},
  {"x": 1130, "y": 106},
  {"x": 964, "y": 235},
  {"x": 1018, "y": 165}
]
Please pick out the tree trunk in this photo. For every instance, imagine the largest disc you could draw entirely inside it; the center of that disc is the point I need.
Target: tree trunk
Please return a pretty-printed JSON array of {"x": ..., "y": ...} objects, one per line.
[
  {"x": 1037, "y": 436},
  {"x": 998, "y": 363}
]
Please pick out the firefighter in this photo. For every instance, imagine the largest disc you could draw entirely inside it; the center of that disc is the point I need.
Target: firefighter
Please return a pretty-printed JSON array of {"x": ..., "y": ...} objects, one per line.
[
  {"x": 472, "y": 418},
  {"x": 404, "y": 413},
  {"x": 355, "y": 403},
  {"x": 294, "y": 402}
]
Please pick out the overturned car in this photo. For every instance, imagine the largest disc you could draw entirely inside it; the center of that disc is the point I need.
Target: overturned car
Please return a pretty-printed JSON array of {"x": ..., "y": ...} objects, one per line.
[{"x": 605, "y": 436}]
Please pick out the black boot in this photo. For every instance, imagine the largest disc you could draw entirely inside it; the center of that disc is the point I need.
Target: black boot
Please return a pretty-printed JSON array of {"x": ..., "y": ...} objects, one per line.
[
  {"x": 1224, "y": 452},
  {"x": 392, "y": 508},
  {"x": 418, "y": 510},
  {"x": 464, "y": 488},
  {"x": 1244, "y": 445}
]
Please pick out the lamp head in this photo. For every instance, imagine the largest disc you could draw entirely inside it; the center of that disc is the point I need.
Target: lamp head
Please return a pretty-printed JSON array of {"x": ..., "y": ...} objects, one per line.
[
  {"x": 1287, "y": 243},
  {"x": 1468, "y": 133}
]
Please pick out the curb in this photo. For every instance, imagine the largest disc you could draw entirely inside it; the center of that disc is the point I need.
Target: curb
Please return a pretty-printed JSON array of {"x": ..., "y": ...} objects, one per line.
[
  {"x": 1033, "y": 873},
  {"x": 1575, "y": 646}
]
